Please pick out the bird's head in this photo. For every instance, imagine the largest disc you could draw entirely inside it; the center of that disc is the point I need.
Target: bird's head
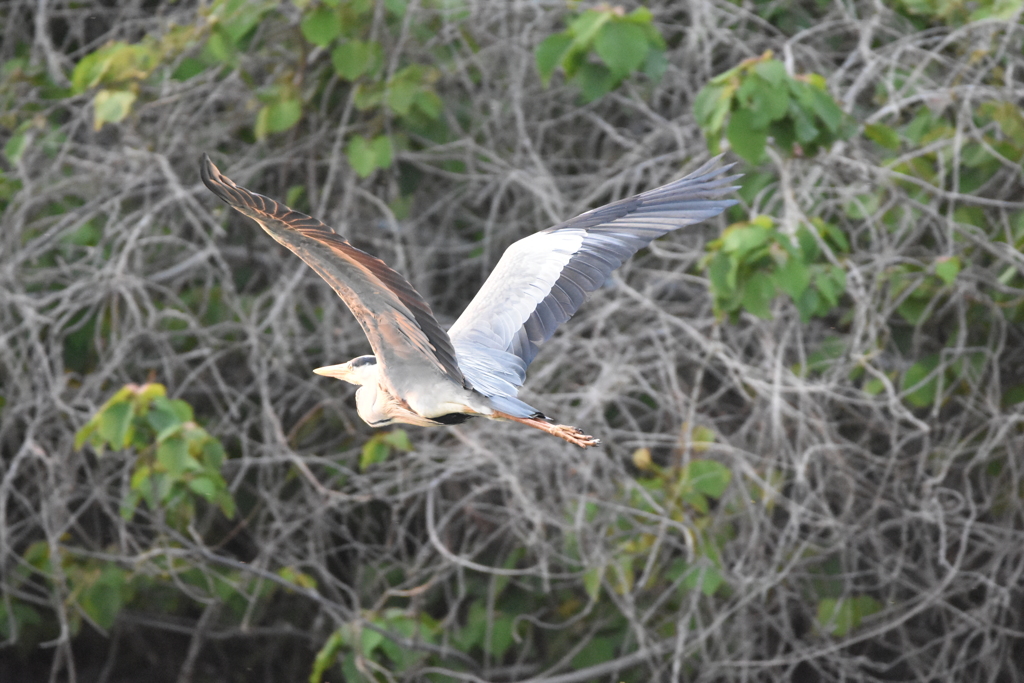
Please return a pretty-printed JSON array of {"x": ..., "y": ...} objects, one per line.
[{"x": 359, "y": 371}]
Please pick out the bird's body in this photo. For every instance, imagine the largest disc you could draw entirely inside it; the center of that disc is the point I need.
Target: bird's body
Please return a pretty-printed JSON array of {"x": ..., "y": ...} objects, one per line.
[
  {"x": 379, "y": 403},
  {"x": 421, "y": 375}
]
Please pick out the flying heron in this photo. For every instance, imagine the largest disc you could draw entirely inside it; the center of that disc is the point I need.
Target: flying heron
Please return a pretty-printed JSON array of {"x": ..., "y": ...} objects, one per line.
[{"x": 421, "y": 375}]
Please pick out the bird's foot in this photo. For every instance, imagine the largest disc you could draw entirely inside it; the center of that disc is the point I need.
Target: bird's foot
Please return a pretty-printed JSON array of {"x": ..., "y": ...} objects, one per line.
[
  {"x": 574, "y": 436},
  {"x": 570, "y": 434}
]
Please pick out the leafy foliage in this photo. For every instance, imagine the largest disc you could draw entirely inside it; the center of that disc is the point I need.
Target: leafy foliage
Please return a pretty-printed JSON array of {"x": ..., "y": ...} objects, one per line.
[
  {"x": 841, "y": 616},
  {"x": 761, "y": 100},
  {"x": 958, "y": 12},
  {"x": 177, "y": 459},
  {"x": 753, "y": 262},
  {"x": 622, "y": 43}
]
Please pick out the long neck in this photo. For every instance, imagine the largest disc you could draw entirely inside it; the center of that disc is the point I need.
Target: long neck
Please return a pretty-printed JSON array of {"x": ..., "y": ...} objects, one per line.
[{"x": 371, "y": 404}]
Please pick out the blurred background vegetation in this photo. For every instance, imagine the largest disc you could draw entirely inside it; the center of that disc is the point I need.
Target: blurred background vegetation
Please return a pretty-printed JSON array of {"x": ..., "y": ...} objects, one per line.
[{"x": 812, "y": 408}]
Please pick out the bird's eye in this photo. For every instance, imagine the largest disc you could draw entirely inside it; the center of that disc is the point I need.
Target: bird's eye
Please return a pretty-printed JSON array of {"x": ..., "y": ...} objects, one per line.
[{"x": 364, "y": 360}]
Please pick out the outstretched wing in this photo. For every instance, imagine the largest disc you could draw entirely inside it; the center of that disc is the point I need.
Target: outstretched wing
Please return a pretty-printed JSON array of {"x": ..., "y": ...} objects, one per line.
[
  {"x": 402, "y": 331},
  {"x": 542, "y": 279}
]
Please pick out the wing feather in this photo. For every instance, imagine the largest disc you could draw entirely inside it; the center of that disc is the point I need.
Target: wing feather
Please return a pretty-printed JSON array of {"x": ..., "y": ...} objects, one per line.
[
  {"x": 543, "y": 279},
  {"x": 401, "y": 329}
]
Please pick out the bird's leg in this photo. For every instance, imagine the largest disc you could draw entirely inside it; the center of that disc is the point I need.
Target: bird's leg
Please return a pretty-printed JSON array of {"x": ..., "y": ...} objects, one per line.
[{"x": 570, "y": 434}]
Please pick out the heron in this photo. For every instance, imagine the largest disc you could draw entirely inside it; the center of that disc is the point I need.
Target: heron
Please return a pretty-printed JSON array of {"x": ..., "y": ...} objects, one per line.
[{"x": 420, "y": 374}]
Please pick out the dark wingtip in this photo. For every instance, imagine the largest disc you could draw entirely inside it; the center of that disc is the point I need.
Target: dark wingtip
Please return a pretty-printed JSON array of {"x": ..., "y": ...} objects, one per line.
[
  {"x": 204, "y": 168},
  {"x": 220, "y": 184},
  {"x": 211, "y": 176}
]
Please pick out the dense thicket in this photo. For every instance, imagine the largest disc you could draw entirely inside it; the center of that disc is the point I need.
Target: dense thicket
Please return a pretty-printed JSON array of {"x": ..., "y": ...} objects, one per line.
[{"x": 813, "y": 427}]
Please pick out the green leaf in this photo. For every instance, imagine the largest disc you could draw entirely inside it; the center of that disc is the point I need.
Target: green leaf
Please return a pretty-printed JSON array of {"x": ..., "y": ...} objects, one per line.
[
  {"x": 622, "y": 46},
  {"x": 114, "y": 425},
  {"x": 883, "y": 135},
  {"x": 382, "y": 151},
  {"x": 708, "y": 477},
  {"x": 710, "y": 108},
  {"x": 172, "y": 453},
  {"x": 189, "y": 68},
  {"x": 947, "y": 268},
  {"x": 766, "y": 102},
  {"x": 472, "y": 633},
  {"x": 549, "y": 53},
  {"x": 832, "y": 234},
  {"x": 803, "y": 125},
  {"x": 398, "y": 438},
  {"x": 241, "y": 17},
  {"x": 697, "y": 501},
  {"x": 87, "y": 430},
  {"x": 758, "y": 292},
  {"x": 87, "y": 234},
  {"x": 640, "y": 16},
  {"x": 743, "y": 239},
  {"x": 594, "y": 80},
  {"x": 162, "y": 419},
  {"x": 655, "y": 65},
  {"x": 89, "y": 70},
  {"x": 722, "y": 273},
  {"x": 321, "y": 26},
  {"x": 204, "y": 486},
  {"x": 401, "y": 93},
  {"x": 181, "y": 410},
  {"x": 15, "y": 147},
  {"x": 361, "y": 156},
  {"x": 213, "y": 453},
  {"x": 375, "y": 450},
  {"x": 354, "y": 58},
  {"x": 573, "y": 60},
  {"x": 772, "y": 100},
  {"x": 148, "y": 393},
  {"x": 294, "y": 194},
  {"x": 428, "y": 102},
  {"x": 397, "y": 7},
  {"x": 369, "y": 640},
  {"x": 841, "y": 616},
  {"x": 747, "y": 141},
  {"x": 1013, "y": 396},
  {"x": 914, "y": 306},
  {"x": 1009, "y": 118},
  {"x": 706, "y": 579},
  {"x": 22, "y": 615},
  {"x": 874, "y": 386},
  {"x": 226, "y": 503},
  {"x": 111, "y": 106},
  {"x": 368, "y": 95},
  {"x": 826, "y": 109},
  {"x": 326, "y": 657},
  {"x": 599, "y": 649},
  {"x": 831, "y": 283},
  {"x": 103, "y": 597},
  {"x": 219, "y": 48},
  {"x": 592, "y": 582},
  {"x": 793, "y": 277},
  {"x": 585, "y": 27},
  {"x": 773, "y": 71},
  {"x": 282, "y": 115},
  {"x": 501, "y": 635},
  {"x": 920, "y": 389}
]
